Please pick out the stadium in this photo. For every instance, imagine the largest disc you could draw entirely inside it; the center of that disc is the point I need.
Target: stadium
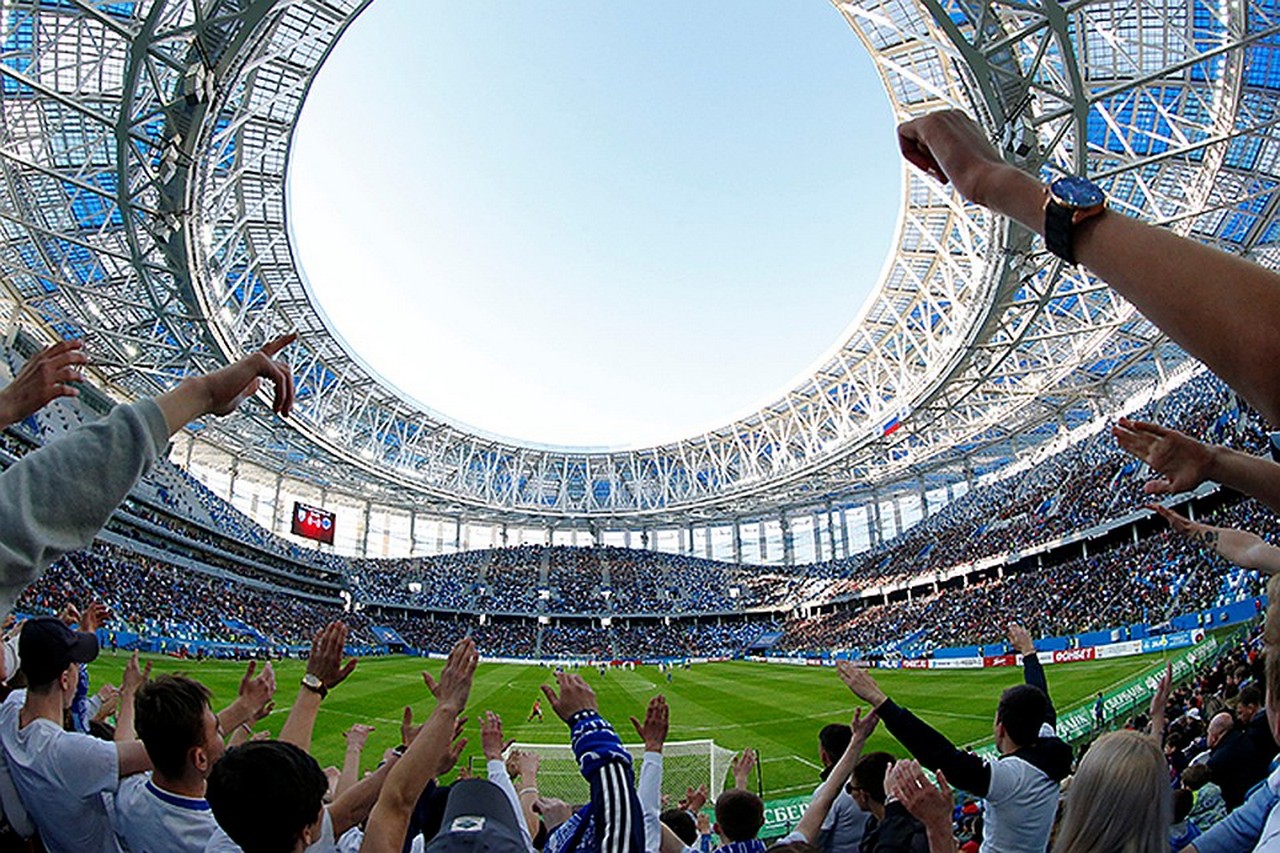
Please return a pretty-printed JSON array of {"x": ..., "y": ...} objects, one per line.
[{"x": 947, "y": 469}]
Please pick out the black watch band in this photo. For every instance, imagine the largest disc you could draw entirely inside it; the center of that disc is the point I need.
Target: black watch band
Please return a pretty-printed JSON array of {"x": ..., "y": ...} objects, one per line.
[{"x": 1058, "y": 230}]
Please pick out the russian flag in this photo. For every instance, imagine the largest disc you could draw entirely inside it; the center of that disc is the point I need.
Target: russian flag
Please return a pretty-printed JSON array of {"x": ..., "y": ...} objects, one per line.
[{"x": 891, "y": 426}]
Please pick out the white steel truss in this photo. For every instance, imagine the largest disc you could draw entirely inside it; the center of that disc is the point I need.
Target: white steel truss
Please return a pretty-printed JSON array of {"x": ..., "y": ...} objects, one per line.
[{"x": 145, "y": 145}]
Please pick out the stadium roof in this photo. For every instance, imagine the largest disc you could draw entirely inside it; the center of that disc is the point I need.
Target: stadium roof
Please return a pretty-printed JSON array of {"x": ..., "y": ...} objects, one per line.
[{"x": 145, "y": 148}]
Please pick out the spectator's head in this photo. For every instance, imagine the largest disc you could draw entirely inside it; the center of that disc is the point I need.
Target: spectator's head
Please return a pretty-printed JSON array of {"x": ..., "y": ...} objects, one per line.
[
  {"x": 1196, "y": 776},
  {"x": 833, "y": 740},
  {"x": 177, "y": 726},
  {"x": 1119, "y": 798},
  {"x": 1183, "y": 800},
  {"x": 682, "y": 824},
  {"x": 1219, "y": 726},
  {"x": 267, "y": 796},
  {"x": 1248, "y": 703},
  {"x": 51, "y": 654},
  {"x": 1023, "y": 709},
  {"x": 739, "y": 815},
  {"x": 868, "y": 781},
  {"x": 478, "y": 817}
]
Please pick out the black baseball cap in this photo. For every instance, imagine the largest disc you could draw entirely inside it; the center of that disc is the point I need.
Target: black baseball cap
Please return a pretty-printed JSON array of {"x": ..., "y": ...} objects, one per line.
[
  {"x": 478, "y": 817},
  {"x": 46, "y": 647}
]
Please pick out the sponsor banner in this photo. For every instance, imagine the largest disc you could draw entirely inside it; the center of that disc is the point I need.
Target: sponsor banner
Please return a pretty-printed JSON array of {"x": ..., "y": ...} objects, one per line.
[
  {"x": 781, "y": 816},
  {"x": 915, "y": 664},
  {"x": 1000, "y": 660},
  {"x": 889, "y": 664},
  {"x": 956, "y": 663},
  {"x": 1172, "y": 640},
  {"x": 1074, "y": 655},
  {"x": 1119, "y": 650}
]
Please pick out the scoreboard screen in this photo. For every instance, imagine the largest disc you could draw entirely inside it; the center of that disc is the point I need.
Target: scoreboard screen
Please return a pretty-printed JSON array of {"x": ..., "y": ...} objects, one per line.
[{"x": 313, "y": 523}]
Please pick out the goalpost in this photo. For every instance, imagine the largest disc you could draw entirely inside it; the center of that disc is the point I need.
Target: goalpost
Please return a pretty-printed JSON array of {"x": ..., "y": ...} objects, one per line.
[{"x": 685, "y": 764}]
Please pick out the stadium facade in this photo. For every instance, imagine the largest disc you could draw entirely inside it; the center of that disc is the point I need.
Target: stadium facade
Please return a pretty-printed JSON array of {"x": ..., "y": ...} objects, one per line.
[{"x": 145, "y": 150}]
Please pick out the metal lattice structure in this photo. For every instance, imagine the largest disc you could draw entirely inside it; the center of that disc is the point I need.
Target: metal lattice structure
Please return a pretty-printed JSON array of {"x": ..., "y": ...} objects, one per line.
[{"x": 145, "y": 145}]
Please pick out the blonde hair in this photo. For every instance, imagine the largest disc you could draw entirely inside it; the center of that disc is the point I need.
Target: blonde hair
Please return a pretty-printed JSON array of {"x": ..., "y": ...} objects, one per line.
[{"x": 1120, "y": 800}]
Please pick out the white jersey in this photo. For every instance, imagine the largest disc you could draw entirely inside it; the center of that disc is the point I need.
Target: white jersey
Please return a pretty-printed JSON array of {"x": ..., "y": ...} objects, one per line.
[
  {"x": 65, "y": 780},
  {"x": 152, "y": 820},
  {"x": 1020, "y": 805}
]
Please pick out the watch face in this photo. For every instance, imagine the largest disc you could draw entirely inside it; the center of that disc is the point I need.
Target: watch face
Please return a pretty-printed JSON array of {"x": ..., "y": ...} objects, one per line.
[{"x": 1075, "y": 191}]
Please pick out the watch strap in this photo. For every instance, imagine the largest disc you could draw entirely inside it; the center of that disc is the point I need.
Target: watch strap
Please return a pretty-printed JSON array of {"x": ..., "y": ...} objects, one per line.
[{"x": 1058, "y": 230}]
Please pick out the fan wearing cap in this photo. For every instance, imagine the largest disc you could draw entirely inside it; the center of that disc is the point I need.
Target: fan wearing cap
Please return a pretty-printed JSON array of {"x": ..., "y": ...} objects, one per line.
[{"x": 60, "y": 775}]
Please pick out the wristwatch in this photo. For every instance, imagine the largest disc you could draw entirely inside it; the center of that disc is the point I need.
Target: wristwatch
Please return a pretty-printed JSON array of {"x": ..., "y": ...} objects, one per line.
[
  {"x": 312, "y": 682},
  {"x": 1071, "y": 200}
]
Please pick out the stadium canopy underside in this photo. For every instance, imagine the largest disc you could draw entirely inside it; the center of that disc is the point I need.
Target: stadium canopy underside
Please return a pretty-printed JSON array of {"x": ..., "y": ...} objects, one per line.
[{"x": 145, "y": 146}]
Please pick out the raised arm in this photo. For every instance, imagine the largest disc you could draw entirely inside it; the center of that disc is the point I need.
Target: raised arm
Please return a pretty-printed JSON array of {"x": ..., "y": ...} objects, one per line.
[
  {"x": 252, "y": 699},
  {"x": 653, "y": 734},
  {"x": 1183, "y": 463},
  {"x": 926, "y": 743},
  {"x": 56, "y": 499},
  {"x": 1222, "y": 309},
  {"x": 810, "y": 825},
  {"x": 605, "y": 765},
  {"x": 1032, "y": 669},
  {"x": 325, "y": 671},
  {"x": 134, "y": 678},
  {"x": 930, "y": 804},
  {"x": 1245, "y": 549},
  {"x": 45, "y": 377},
  {"x": 390, "y": 817}
]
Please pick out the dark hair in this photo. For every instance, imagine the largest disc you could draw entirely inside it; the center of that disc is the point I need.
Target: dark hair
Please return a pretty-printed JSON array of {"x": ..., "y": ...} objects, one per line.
[
  {"x": 868, "y": 774},
  {"x": 1250, "y": 695},
  {"x": 1022, "y": 710},
  {"x": 1183, "y": 800},
  {"x": 834, "y": 740},
  {"x": 740, "y": 814},
  {"x": 265, "y": 793},
  {"x": 1196, "y": 776},
  {"x": 682, "y": 824},
  {"x": 170, "y": 720}
]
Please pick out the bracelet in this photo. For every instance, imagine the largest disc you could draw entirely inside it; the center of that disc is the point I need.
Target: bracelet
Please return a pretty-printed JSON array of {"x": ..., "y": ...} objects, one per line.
[
  {"x": 248, "y": 729},
  {"x": 529, "y": 790}
]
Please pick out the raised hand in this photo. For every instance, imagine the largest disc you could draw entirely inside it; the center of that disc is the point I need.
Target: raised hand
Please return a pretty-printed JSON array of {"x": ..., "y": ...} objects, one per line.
[
  {"x": 1020, "y": 639},
  {"x": 859, "y": 680},
  {"x": 930, "y": 804},
  {"x": 134, "y": 677},
  {"x": 491, "y": 742},
  {"x": 694, "y": 798},
  {"x": 1182, "y": 462},
  {"x": 741, "y": 767},
  {"x": 94, "y": 617},
  {"x": 861, "y": 726},
  {"x": 454, "y": 686},
  {"x": 257, "y": 692},
  {"x": 325, "y": 661},
  {"x": 575, "y": 695},
  {"x": 44, "y": 378},
  {"x": 227, "y": 388},
  {"x": 952, "y": 148},
  {"x": 408, "y": 730},
  {"x": 357, "y": 736},
  {"x": 657, "y": 721}
]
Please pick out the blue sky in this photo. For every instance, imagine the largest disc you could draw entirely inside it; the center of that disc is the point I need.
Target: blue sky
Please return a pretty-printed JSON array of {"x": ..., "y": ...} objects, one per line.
[{"x": 594, "y": 223}]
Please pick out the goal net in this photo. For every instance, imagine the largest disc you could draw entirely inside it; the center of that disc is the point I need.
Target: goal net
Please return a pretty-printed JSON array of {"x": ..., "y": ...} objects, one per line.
[{"x": 685, "y": 764}]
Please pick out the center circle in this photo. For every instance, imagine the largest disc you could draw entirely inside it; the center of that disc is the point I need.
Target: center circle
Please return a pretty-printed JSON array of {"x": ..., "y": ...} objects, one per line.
[{"x": 616, "y": 224}]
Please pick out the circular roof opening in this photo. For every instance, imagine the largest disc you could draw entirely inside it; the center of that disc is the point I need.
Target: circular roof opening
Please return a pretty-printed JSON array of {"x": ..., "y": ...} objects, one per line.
[{"x": 611, "y": 224}]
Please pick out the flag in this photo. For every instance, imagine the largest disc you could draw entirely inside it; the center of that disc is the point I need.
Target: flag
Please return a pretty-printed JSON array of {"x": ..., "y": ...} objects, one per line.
[{"x": 892, "y": 425}]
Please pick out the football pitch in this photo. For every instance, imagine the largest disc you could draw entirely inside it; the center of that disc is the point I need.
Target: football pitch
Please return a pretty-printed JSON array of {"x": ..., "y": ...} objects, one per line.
[{"x": 774, "y": 709}]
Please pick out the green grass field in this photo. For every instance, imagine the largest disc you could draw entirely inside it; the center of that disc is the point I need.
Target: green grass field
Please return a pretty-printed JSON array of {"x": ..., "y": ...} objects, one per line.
[{"x": 776, "y": 710}]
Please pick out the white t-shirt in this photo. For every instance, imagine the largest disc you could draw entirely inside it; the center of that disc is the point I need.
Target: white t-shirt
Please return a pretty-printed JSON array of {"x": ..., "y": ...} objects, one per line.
[
  {"x": 64, "y": 779},
  {"x": 1020, "y": 805},
  {"x": 151, "y": 820}
]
